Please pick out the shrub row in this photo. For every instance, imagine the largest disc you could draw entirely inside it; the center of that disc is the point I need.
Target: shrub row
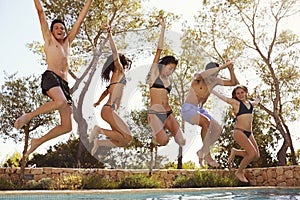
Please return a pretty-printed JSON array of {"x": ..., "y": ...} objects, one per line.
[{"x": 200, "y": 179}]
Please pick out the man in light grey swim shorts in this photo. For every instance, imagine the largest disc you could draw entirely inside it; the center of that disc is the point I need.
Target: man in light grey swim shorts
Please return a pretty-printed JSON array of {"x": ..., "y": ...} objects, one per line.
[{"x": 193, "y": 112}]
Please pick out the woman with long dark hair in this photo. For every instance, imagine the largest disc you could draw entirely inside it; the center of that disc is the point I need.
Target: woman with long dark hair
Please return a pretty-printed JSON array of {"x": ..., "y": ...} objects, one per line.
[{"x": 113, "y": 72}]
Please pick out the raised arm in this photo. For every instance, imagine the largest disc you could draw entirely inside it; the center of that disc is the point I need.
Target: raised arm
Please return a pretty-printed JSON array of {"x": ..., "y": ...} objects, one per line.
[
  {"x": 160, "y": 46},
  {"x": 44, "y": 25},
  {"x": 256, "y": 101},
  {"x": 211, "y": 71},
  {"x": 117, "y": 62},
  {"x": 75, "y": 29},
  {"x": 233, "y": 80}
]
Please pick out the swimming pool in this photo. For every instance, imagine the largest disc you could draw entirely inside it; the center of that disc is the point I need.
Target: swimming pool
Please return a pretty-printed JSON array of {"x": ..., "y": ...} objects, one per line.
[{"x": 252, "y": 193}]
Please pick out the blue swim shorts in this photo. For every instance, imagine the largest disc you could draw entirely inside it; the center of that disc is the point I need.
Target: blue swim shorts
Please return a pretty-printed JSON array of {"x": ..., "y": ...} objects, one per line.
[{"x": 189, "y": 110}]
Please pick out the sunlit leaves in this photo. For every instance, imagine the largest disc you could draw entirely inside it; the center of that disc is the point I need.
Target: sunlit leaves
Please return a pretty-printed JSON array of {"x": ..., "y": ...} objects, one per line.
[{"x": 20, "y": 95}]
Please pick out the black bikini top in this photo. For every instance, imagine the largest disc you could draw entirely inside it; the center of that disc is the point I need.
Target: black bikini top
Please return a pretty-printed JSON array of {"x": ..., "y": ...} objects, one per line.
[
  {"x": 122, "y": 81},
  {"x": 159, "y": 84},
  {"x": 244, "y": 110}
]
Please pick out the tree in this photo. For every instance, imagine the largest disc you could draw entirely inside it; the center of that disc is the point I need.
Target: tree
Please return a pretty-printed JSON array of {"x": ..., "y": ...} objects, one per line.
[
  {"x": 251, "y": 32},
  {"x": 21, "y": 95},
  {"x": 56, "y": 157},
  {"x": 90, "y": 48}
]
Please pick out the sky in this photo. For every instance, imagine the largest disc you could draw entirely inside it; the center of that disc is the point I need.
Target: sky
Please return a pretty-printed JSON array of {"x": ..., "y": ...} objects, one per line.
[{"x": 20, "y": 26}]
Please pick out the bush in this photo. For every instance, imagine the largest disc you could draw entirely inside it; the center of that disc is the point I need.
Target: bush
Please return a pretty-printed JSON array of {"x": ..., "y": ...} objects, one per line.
[
  {"x": 98, "y": 182},
  {"x": 205, "y": 179},
  {"x": 73, "y": 182},
  {"x": 43, "y": 184},
  {"x": 6, "y": 184},
  {"x": 139, "y": 181}
]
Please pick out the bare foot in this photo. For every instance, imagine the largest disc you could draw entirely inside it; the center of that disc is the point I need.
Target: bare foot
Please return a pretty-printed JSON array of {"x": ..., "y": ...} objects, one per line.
[
  {"x": 94, "y": 133},
  {"x": 201, "y": 162},
  {"x": 210, "y": 161},
  {"x": 241, "y": 177},
  {"x": 95, "y": 147},
  {"x": 21, "y": 121},
  {"x": 231, "y": 157},
  {"x": 201, "y": 158},
  {"x": 33, "y": 145}
]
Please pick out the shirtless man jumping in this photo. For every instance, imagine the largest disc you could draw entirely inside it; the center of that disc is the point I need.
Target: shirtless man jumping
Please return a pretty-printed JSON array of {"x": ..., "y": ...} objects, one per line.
[
  {"x": 192, "y": 109},
  {"x": 54, "y": 79}
]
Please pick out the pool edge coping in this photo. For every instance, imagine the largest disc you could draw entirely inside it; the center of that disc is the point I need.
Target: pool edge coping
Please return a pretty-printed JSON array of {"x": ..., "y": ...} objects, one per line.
[{"x": 138, "y": 191}]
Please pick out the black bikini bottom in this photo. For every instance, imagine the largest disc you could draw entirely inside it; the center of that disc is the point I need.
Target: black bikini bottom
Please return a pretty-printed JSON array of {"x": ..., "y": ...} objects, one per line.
[
  {"x": 247, "y": 133},
  {"x": 113, "y": 106},
  {"x": 161, "y": 115}
]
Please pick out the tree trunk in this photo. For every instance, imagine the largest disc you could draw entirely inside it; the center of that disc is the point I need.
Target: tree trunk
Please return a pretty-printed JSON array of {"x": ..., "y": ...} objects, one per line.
[
  {"x": 151, "y": 160},
  {"x": 80, "y": 150},
  {"x": 180, "y": 156},
  {"x": 24, "y": 160},
  {"x": 179, "y": 165},
  {"x": 293, "y": 154},
  {"x": 290, "y": 142},
  {"x": 86, "y": 80},
  {"x": 287, "y": 142},
  {"x": 281, "y": 155}
]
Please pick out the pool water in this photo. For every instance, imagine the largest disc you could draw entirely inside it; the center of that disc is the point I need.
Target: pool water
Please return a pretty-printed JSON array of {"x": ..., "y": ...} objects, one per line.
[{"x": 173, "y": 194}]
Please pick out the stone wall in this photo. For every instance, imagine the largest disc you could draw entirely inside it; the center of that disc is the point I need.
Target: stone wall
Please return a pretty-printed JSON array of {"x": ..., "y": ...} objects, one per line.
[{"x": 273, "y": 176}]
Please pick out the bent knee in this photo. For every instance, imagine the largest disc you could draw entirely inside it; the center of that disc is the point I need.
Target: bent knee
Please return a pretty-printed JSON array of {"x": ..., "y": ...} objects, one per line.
[
  {"x": 179, "y": 139},
  {"x": 252, "y": 155},
  {"x": 66, "y": 128},
  {"x": 182, "y": 142},
  {"x": 205, "y": 125},
  {"x": 61, "y": 103},
  {"x": 126, "y": 140},
  {"x": 163, "y": 142}
]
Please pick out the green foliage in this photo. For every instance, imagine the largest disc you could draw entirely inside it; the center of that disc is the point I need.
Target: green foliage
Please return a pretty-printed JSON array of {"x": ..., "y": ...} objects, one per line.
[
  {"x": 56, "y": 157},
  {"x": 138, "y": 181},
  {"x": 13, "y": 161},
  {"x": 20, "y": 95},
  {"x": 170, "y": 165},
  {"x": 42, "y": 184},
  {"x": 72, "y": 182},
  {"x": 298, "y": 156},
  {"x": 98, "y": 182},
  {"x": 189, "y": 165},
  {"x": 6, "y": 184},
  {"x": 204, "y": 179},
  {"x": 186, "y": 165}
]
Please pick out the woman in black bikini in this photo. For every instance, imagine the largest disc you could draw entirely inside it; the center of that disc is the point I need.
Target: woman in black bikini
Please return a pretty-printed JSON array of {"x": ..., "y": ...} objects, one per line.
[
  {"x": 160, "y": 115},
  {"x": 242, "y": 133},
  {"x": 119, "y": 135}
]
